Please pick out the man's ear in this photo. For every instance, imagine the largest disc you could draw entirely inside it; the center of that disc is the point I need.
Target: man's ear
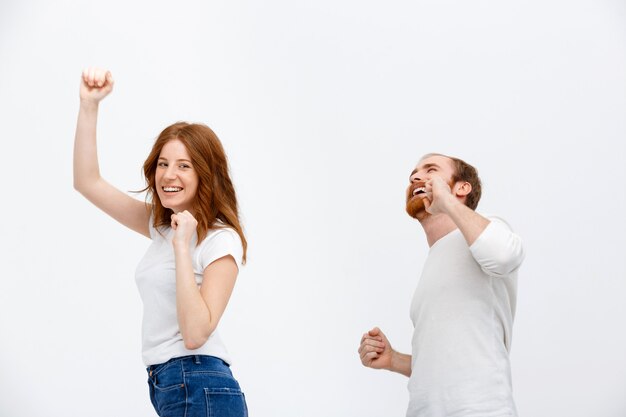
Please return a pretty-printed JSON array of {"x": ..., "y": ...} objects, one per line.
[{"x": 462, "y": 188}]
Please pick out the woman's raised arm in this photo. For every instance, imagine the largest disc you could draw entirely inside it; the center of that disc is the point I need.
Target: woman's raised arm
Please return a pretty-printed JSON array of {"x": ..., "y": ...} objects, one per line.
[{"x": 96, "y": 84}]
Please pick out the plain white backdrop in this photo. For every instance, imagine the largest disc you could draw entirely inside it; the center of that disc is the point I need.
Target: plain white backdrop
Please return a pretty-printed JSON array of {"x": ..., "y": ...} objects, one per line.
[{"x": 324, "y": 107}]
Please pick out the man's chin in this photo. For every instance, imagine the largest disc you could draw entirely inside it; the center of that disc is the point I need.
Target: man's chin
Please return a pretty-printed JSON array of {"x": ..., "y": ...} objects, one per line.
[{"x": 415, "y": 208}]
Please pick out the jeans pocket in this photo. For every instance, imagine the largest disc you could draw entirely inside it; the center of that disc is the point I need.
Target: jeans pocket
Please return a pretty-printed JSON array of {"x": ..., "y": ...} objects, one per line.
[
  {"x": 168, "y": 391},
  {"x": 225, "y": 402},
  {"x": 171, "y": 401},
  {"x": 168, "y": 377}
]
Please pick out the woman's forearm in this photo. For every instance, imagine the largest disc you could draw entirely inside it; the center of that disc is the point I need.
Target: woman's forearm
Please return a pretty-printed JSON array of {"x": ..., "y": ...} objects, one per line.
[
  {"x": 86, "y": 167},
  {"x": 194, "y": 316}
]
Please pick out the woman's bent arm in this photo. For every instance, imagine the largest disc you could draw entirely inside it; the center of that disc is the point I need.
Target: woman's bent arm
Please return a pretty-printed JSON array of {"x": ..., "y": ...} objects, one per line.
[
  {"x": 199, "y": 310},
  {"x": 132, "y": 213}
]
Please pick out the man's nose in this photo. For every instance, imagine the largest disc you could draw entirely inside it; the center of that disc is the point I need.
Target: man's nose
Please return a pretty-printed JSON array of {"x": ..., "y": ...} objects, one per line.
[{"x": 415, "y": 178}]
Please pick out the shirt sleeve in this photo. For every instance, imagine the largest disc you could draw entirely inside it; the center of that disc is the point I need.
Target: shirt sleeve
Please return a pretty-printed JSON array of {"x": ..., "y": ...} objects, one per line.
[
  {"x": 220, "y": 243},
  {"x": 498, "y": 250}
]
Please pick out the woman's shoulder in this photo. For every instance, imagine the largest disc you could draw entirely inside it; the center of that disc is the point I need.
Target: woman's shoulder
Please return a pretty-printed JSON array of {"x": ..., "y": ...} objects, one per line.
[
  {"x": 220, "y": 240},
  {"x": 221, "y": 231}
]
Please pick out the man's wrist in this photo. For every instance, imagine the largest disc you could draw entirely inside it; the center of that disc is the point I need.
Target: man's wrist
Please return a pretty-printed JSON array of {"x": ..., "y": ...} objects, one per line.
[
  {"x": 396, "y": 361},
  {"x": 450, "y": 203}
]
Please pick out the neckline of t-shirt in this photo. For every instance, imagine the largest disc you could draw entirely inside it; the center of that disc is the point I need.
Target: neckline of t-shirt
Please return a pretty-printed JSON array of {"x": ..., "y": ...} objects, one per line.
[{"x": 443, "y": 238}]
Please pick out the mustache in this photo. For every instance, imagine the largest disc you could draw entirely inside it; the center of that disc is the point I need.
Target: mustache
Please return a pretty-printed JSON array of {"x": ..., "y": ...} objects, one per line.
[{"x": 412, "y": 187}]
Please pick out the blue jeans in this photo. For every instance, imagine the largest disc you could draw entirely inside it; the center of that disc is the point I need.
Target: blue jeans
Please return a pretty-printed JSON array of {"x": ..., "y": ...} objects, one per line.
[{"x": 195, "y": 386}]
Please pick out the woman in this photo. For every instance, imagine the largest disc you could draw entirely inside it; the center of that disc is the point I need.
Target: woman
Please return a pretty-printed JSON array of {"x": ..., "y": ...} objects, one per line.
[{"x": 188, "y": 273}]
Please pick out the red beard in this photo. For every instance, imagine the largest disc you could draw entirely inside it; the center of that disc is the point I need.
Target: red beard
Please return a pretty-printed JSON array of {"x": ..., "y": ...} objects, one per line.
[{"x": 415, "y": 206}]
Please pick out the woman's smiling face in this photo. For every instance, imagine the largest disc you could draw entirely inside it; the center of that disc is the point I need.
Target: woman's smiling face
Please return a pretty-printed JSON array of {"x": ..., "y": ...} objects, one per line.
[{"x": 175, "y": 177}]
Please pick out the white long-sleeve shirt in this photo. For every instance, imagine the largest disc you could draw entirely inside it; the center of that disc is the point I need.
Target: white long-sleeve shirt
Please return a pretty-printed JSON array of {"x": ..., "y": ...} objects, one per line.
[{"x": 462, "y": 311}]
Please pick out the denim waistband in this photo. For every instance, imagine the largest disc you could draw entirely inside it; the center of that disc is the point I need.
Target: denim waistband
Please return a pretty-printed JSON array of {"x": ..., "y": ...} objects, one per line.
[{"x": 192, "y": 361}]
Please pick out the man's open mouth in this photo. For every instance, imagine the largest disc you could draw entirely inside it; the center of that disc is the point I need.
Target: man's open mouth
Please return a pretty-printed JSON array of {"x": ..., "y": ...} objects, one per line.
[{"x": 419, "y": 190}]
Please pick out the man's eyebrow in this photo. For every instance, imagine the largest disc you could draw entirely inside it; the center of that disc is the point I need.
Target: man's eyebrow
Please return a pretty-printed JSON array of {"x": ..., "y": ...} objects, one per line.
[{"x": 431, "y": 165}]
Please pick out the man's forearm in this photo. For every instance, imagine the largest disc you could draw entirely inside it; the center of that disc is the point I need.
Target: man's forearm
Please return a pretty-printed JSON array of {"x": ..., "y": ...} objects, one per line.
[
  {"x": 400, "y": 363},
  {"x": 470, "y": 223}
]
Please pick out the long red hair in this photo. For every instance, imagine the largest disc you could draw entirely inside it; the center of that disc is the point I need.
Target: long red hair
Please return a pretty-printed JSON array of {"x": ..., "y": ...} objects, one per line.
[{"x": 215, "y": 197}]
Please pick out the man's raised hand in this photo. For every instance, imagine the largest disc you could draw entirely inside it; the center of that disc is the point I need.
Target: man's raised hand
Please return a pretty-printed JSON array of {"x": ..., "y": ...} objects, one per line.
[{"x": 438, "y": 194}]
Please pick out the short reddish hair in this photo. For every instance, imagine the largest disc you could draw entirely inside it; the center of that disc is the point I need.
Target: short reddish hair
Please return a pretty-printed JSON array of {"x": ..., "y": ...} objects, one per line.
[{"x": 465, "y": 172}]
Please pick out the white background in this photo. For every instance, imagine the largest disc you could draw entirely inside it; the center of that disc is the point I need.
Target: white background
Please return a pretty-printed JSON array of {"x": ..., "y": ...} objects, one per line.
[{"x": 324, "y": 107}]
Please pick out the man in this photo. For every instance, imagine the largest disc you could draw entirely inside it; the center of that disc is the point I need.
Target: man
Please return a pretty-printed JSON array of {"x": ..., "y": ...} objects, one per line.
[{"x": 464, "y": 304}]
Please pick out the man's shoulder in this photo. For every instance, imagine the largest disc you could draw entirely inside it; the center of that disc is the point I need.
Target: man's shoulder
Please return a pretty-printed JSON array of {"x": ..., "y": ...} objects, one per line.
[{"x": 496, "y": 219}]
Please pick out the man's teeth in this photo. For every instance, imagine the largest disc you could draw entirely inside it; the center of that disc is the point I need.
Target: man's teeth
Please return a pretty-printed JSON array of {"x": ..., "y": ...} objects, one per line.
[
  {"x": 418, "y": 189},
  {"x": 171, "y": 189}
]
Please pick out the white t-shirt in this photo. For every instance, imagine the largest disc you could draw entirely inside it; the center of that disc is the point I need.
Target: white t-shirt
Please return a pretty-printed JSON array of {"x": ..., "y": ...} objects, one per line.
[
  {"x": 462, "y": 311},
  {"x": 156, "y": 281}
]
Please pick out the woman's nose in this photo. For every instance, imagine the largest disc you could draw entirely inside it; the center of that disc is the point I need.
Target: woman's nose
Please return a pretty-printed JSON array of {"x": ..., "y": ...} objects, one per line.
[{"x": 170, "y": 172}]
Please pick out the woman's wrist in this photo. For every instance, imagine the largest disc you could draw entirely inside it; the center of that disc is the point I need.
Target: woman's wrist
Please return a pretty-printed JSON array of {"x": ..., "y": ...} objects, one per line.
[
  {"x": 89, "y": 105},
  {"x": 180, "y": 248}
]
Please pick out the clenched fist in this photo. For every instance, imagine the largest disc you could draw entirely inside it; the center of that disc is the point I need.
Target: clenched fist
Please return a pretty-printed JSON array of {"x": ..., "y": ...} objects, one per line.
[
  {"x": 184, "y": 225},
  {"x": 375, "y": 350},
  {"x": 95, "y": 84}
]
